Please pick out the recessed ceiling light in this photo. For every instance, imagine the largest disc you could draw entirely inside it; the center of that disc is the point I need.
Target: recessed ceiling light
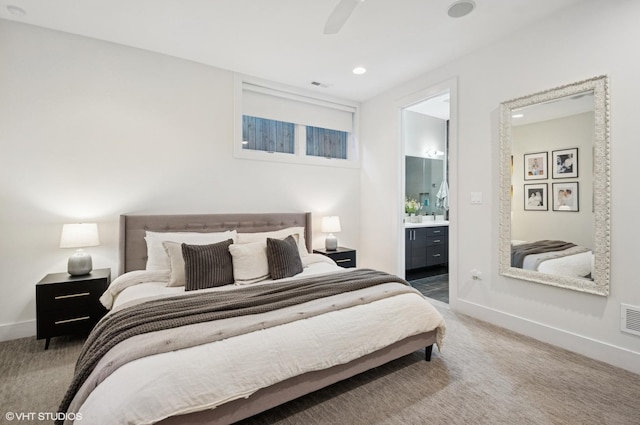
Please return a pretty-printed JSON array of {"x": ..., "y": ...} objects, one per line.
[
  {"x": 16, "y": 11},
  {"x": 358, "y": 70},
  {"x": 461, "y": 8}
]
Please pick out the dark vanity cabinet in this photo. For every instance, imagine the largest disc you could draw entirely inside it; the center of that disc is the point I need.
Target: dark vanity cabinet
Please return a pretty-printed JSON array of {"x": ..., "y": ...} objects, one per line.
[{"x": 426, "y": 246}]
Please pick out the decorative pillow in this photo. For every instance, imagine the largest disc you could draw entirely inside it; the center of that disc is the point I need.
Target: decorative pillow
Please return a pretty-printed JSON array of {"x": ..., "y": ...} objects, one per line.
[
  {"x": 277, "y": 234},
  {"x": 206, "y": 266},
  {"x": 283, "y": 257},
  {"x": 157, "y": 258},
  {"x": 249, "y": 262},
  {"x": 176, "y": 260}
]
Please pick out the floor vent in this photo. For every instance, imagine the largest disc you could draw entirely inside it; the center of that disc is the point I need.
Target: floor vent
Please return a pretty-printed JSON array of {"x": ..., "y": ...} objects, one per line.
[{"x": 630, "y": 319}]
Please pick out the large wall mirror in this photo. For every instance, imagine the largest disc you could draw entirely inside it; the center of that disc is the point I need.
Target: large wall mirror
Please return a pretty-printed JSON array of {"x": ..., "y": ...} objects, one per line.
[{"x": 554, "y": 187}]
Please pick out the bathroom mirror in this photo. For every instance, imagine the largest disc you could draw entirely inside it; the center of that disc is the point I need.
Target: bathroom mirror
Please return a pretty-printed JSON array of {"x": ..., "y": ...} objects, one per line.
[
  {"x": 423, "y": 180},
  {"x": 555, "y": 187}
]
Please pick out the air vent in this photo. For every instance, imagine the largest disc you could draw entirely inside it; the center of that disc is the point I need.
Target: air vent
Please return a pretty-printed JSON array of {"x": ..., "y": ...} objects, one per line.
[{"x": 630, "y": 319}]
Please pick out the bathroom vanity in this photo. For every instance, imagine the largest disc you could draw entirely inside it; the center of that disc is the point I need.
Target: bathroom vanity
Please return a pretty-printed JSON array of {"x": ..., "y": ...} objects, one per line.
[{"x": 426, "y": 244}]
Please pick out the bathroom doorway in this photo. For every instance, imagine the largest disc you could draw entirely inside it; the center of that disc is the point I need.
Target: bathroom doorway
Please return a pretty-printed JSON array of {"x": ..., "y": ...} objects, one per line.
[{"x": 425, "y": 136}]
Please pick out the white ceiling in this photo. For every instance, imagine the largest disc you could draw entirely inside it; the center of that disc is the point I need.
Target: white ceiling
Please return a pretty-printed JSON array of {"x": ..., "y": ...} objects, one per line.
[
  {"x": 554, "y": 109},
  {"x": 283, "y": 41},
  {"x": 438, "y": 106}
]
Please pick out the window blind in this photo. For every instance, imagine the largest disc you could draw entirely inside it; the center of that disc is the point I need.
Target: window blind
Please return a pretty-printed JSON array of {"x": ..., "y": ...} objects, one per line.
[{"x": 278, "y": 105}]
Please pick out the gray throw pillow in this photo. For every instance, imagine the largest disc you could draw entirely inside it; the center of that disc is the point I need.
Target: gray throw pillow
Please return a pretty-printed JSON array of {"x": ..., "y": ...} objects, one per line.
[
  {"x": 206, "y": 266},
  {"x": 283, "y": 257}
]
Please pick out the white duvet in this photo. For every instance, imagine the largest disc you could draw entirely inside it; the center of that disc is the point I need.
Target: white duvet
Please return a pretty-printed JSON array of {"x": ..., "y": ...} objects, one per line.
[
  {"x": 152, "y": 388},
  {"x": 575, "y": 265}
]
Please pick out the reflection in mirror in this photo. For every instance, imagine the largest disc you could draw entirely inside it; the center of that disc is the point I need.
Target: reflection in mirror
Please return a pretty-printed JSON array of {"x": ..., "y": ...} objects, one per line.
[
  {"x": 554, "y": 217},
  {"x": 423, "y": 180}
]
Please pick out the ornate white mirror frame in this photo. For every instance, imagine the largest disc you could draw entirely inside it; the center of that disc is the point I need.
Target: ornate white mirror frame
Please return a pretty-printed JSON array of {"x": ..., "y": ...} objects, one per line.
[{"x": 599, "y": 282}]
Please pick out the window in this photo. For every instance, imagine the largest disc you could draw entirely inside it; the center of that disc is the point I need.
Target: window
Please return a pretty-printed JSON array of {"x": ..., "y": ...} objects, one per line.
[
  {"x": 261, "y": 134},
  {"x": 327, "y": 143},
  {"x": 292, "y": 126}
]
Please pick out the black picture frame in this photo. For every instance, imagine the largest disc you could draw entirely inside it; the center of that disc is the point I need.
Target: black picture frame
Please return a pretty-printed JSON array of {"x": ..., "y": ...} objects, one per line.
[
  {"x": 536, "y": 166},
  {"x": 565, "y": 163},
  {"x": 566, "y": 197},
  {"x": 536, "y": 197}
]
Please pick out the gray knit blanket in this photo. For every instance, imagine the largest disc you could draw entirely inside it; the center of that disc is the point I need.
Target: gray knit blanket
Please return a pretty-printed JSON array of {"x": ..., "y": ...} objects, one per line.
[{"x": 173, "y": 312}]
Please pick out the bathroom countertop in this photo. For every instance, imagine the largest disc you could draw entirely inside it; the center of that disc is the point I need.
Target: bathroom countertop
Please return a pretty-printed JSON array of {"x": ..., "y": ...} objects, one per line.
[{"x": 428, "y": 223}]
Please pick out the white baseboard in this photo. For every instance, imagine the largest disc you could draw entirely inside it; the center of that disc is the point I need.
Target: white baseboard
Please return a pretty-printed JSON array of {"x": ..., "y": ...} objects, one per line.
[
  {"x": 588, "y": 347},
  {"x": 17, "y": 330}
]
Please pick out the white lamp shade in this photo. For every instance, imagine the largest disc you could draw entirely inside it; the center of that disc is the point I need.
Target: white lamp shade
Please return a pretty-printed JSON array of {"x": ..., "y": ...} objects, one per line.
[
  {"x": 331, "y": 224},
  {"x": 79, "y": 235}
]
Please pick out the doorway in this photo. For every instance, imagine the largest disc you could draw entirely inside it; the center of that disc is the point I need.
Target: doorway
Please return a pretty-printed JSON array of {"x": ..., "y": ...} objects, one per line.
[{"x": 425, "y": 139}]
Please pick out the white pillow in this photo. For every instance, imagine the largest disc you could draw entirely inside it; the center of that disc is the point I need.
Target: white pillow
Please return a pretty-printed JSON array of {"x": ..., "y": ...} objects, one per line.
[
  {"x": 250, "y": 263},
  {"x": 157, "y": 258},
  {"x": 277, "y": 234}
]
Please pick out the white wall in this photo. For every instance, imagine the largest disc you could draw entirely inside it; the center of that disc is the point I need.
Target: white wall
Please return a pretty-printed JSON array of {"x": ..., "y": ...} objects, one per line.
[
  {"x": 90, "y": 130},
  {"x": 585, "y": 41},
  {"x": 423, "y": 133}
]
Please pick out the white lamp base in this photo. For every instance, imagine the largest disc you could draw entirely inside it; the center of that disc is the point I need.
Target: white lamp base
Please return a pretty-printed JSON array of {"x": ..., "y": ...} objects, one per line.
[
  {"x": 331, "y": 242},
  {"x": 79, "y": 263}
]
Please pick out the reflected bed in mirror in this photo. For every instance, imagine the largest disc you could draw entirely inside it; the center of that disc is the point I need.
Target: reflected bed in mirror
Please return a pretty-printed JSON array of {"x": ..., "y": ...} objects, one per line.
[{"x": 554, "y": 187}]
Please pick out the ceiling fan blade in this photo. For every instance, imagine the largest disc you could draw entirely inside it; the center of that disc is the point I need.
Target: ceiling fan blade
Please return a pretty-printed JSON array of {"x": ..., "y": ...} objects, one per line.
[{"x": 339, "y": 16}]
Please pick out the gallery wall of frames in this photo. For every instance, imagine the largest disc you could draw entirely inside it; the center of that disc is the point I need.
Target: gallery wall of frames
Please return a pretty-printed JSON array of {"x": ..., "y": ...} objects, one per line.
[{"x": 559, "y": 165}]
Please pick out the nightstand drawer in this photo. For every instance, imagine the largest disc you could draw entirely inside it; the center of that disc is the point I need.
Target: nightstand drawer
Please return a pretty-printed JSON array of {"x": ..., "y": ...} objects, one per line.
[
  {"x": 66, "y": 296},
  {"x": 344, "y": 257},
  {"x": 56, "y": 323}
]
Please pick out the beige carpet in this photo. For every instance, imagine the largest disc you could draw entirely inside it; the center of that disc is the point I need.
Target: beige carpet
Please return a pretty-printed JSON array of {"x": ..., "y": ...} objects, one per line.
[{"x": 485, "y": 375}]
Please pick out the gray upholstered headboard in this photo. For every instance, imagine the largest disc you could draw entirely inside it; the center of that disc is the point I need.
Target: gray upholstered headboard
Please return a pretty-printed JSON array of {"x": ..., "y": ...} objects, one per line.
[{"x": 133, "y": 248}]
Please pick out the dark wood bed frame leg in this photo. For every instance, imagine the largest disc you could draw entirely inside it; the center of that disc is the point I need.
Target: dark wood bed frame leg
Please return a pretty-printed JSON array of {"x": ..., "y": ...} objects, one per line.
[{"x": 427, "y": 352}]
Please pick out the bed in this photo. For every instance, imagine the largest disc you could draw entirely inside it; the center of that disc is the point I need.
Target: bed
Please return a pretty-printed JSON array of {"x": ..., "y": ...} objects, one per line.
[
  {"x": 221, "y": 372},
  {"x": 559, "y": 258}
]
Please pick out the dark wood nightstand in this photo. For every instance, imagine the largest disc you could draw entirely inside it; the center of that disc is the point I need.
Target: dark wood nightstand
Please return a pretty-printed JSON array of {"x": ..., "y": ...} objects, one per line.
[
  {"x": 68, "y": 305},
  {"x": 345, "y": 257}
]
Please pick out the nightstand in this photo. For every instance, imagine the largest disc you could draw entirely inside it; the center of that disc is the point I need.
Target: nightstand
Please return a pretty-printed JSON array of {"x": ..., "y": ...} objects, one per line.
[
  {"x": 345, "y": 257},
  {"x": 69, "y": 305}
]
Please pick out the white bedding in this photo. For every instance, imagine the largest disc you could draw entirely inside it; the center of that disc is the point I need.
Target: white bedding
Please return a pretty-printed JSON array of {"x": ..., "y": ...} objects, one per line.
[
  {"x": 579, "y": 264},
  {"x": 211, "y": 374}
]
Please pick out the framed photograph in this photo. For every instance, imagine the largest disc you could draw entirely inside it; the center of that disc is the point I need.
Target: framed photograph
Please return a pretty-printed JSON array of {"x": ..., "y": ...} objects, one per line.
[
  {"x": 565, "y": 163},
  {"x": 535, "y": 197},
  {"x": 535, "y": 166},
  {"x": 566, "y": 197}
]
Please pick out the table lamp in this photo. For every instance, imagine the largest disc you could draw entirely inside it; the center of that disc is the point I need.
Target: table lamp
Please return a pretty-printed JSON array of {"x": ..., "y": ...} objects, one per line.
[
  {"x": 331, "y": 225},
  {"x": 79, "y": 235}
]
